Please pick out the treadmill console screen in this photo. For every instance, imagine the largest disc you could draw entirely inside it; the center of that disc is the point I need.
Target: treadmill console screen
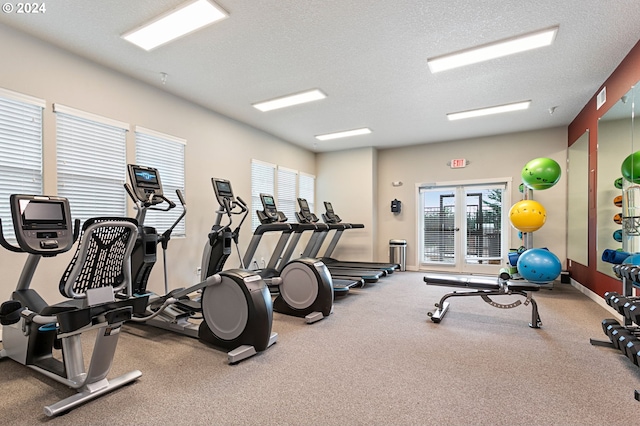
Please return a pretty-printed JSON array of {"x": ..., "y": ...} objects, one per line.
[
  {"x": 268, "y": 202},
  {"x": 269, "y": 206},
  {"x": 304, "y": 206}
]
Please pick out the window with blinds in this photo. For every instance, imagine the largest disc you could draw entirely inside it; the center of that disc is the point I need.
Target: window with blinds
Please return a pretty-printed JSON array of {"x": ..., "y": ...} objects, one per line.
[
  {"x": 306, "y": 189},
  {"x": 287, "y": 192},
  {"x": 91, "y": 163},
  {"x": 262, "y": 181},
  {"x": 165, "y": 153},
  {"x": 20, "y": 150},
  {"x": 286, "y": 185}
]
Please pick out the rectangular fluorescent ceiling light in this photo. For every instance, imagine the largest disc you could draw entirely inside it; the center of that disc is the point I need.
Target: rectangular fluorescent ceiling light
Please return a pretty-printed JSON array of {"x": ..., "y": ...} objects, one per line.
[
  {"x": 290, "y": 100},
  {"x": 188, "y": 17},
  {"x": 345, "y": 134},
  {"x": 493, "y": 50},
  {"x": 488, "y": 111}
]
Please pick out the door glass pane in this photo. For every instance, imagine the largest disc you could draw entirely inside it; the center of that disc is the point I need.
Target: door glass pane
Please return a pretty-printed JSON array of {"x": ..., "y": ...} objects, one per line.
[
  {"x": 484, "y": 225},
  {"x": 439, "y": 226}
]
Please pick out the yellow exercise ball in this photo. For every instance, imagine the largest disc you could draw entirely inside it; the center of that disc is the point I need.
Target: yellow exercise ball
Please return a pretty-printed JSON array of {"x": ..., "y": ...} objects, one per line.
[{"x": 527, "y": 215}]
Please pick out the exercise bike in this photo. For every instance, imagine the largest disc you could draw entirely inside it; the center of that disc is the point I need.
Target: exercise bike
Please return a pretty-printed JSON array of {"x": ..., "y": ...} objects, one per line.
[
  {"x": 229, "y": 309},
  {"x": 33, "y": 330}
]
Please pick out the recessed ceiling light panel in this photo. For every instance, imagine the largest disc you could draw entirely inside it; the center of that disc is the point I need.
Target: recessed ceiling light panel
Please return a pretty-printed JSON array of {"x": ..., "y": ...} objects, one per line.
[
  {"x": 489, "y": 111},
  {"x": 345, "y": 134},
  {"x": 186, "y": 18},
  {"x": 290, "y": 100},
  {"x": 494, "y": 50}
]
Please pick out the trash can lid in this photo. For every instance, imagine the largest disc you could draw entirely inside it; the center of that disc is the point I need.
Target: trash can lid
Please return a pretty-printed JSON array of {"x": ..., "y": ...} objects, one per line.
[{"x": 398, "y": 242}]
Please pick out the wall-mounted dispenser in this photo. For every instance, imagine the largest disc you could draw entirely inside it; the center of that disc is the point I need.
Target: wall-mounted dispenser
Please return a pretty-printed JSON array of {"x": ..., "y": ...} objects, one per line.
[{"x": 396, "y": 206}]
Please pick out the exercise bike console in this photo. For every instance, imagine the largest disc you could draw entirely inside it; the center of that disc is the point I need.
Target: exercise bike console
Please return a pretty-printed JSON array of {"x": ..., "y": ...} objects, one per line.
[{"x": 43, "y": 224}]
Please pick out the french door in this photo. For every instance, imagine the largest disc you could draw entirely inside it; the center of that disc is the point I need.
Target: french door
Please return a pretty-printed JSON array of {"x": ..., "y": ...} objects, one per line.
[{"x": 463, "y": 226}]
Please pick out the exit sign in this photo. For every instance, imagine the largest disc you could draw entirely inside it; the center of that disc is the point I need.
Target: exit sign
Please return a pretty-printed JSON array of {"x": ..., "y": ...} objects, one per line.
[{"x": 458, "y": 163}]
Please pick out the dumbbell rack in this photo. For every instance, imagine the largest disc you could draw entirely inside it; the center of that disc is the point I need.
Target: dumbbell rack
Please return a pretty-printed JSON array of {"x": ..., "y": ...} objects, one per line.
[{"x": 626, "y": 336}]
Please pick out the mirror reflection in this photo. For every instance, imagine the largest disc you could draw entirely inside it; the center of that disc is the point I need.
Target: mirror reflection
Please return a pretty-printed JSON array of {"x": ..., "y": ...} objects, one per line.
[
  {"x": 615, "y": 143},
  {"x": 578, "y": 201}
]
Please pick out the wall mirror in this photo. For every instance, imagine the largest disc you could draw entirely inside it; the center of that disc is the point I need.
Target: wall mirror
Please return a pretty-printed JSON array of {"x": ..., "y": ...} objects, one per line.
[
  {"x": 578, "y": 200},
  {"x": 615, "y": 143}
]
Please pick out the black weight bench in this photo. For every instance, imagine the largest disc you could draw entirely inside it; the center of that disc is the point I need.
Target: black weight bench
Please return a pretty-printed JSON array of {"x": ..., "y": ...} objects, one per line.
[{"x": 484, "y": 287}]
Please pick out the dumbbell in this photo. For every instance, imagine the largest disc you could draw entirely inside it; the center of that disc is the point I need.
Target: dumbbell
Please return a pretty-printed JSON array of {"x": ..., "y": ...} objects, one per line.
[
  {"x": 626, "y": 271},
  {"x": 616, "y": 334},
  {"x": 624, "y": 336},
  {"x": 634, "y": 312},
  {"x": 609, "y": 323},
  {"x": 609, "y": 295},
  {"x": 618, "y": 302},
  {"x": 632, "y": 348},
  {"x": 634, "y": 272},
  {"x": 626, "y": 308},
  {"x": 616, "y": 270}
]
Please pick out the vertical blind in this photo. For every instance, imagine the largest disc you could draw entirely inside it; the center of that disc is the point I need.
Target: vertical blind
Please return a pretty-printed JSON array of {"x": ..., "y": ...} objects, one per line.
[
  {"x": 287, "y": 199},
  {"x": 91, "y": 164},
  {"x": 165, "y": 153},
  {"x": 306, "y": 189},
  {"x": 262, "y": 181},
  {"x": 20, "y": 150}
]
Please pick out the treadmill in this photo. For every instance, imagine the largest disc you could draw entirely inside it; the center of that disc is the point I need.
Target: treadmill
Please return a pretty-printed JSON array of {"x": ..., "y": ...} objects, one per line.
[
  {"x": 305, "y": 215},
  {"x": 331, "y": 218},
  {"x": 273, "y": 220}
]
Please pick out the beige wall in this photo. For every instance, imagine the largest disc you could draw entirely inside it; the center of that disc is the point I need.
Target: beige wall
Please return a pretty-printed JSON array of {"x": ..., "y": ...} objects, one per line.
[
  {"x": 348, "y": 179},
  {"x": 216, "y": 146},
  {"x": 490, "y": 157}
]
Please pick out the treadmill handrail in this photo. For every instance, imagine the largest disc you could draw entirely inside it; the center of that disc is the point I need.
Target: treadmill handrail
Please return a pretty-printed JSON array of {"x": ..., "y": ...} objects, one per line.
[
  {"x": 301, "y": 227},
  {"x": 272, "y": 227}
]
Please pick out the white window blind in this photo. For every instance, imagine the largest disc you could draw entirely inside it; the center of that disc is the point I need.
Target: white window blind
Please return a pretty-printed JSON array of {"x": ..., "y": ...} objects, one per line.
[
  {"x": 91, "y": 163},
  {"x": 20, "y": 150},
  {"x": 287, "y": 192},
  {"x": 262, "y": 181},
  {"x": 306, "y": 190},
  {"x": 165, "y": 153}
]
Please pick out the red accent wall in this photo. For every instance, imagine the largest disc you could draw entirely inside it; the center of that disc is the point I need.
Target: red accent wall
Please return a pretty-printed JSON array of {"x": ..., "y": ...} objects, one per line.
[{"x": 626, "y": 75}]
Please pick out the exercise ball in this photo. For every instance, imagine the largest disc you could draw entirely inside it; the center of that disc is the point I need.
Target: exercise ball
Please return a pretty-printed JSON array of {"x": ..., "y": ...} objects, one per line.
[
  {"x": 617, "y": 235},
  {"x": 618, "y": 183},
  {"x": 541, "y": 173},
  {"x": 631, "y": 167},
  {"x": 527, "y": 215},
  {"x": 539, "y": 266}
]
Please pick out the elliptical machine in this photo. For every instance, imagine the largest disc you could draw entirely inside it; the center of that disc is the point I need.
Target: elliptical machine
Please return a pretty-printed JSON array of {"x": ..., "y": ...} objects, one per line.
[
  {"x": 32, "y": 329},
  {"x": 305, "y": 287},
  {"x": 234, "y": 305}
]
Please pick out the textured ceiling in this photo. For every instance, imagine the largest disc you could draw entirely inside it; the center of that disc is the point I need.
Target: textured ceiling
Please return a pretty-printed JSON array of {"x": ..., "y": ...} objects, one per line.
[{"x": 368, "y": 56}]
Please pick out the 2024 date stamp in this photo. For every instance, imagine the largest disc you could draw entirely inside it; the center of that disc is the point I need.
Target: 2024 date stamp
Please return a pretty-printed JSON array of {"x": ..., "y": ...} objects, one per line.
[{"x": 24, "y": 8}]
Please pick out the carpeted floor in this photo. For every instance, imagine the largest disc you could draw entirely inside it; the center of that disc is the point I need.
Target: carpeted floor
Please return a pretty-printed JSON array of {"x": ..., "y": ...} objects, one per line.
[{"x": 378, "y": 360}]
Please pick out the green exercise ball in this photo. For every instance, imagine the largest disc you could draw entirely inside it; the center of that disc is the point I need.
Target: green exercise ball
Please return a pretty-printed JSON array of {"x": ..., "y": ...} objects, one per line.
[
  {"x": 541, "y": 173},
  {"x": 631, "y": 167}
]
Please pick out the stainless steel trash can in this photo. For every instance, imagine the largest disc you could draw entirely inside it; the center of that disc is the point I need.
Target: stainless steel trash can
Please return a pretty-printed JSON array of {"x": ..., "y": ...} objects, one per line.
[{"x": 398, "y": 253}]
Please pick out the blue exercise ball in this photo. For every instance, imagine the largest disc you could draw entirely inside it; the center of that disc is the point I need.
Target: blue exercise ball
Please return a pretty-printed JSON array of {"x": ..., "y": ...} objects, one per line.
[{"x": 539, "y": 266}]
